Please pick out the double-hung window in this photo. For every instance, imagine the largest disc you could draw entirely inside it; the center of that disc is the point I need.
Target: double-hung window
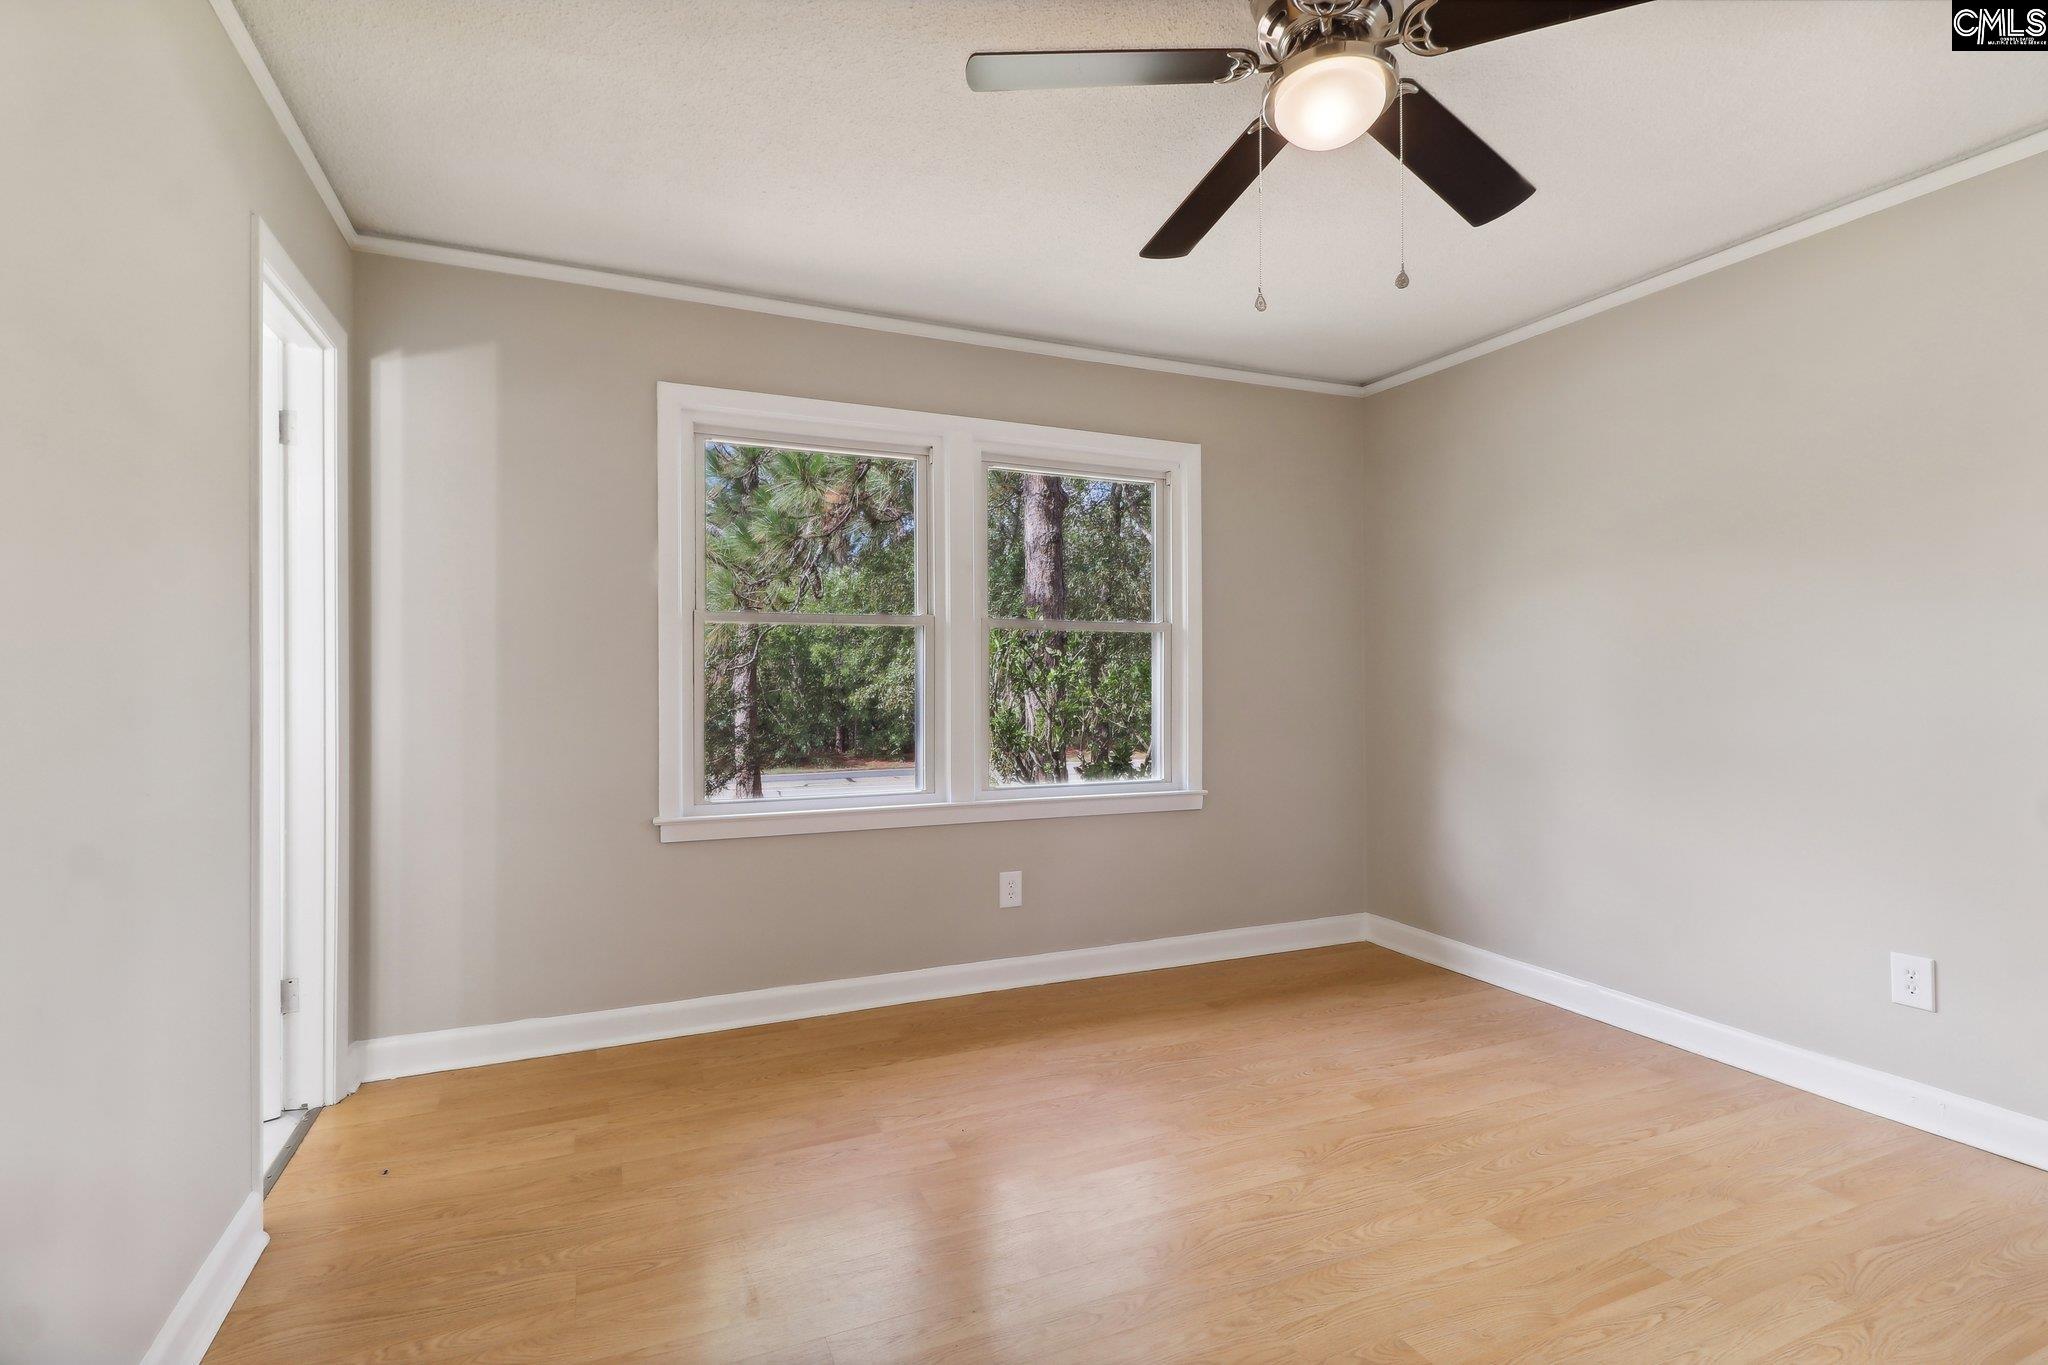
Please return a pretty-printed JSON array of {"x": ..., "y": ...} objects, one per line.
[{"x": 873, "y": 617}]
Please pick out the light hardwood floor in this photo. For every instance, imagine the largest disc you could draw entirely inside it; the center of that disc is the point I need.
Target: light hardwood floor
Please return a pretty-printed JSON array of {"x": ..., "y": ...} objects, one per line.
[{"x": 1340, "y": 1153}]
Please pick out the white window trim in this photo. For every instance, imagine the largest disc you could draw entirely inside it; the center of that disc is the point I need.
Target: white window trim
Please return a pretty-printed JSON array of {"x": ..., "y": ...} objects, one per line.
[{"x": 951, "y": 607}]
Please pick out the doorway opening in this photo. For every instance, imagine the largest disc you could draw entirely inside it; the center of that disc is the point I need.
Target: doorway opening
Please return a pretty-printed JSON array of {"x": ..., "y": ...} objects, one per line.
[{"x": 300, "y": 778}]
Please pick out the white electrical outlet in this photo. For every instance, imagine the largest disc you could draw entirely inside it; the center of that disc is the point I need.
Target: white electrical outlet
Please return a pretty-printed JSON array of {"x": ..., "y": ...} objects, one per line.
[
  {"x": 1913, "y": 981},
  {"x": 1009, "y": 890}
]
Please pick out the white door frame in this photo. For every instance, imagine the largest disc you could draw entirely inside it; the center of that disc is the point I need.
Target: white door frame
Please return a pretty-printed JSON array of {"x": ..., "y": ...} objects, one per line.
[
  {"x": 318, "y": 932},
  {"x": 272, "y": 513}
]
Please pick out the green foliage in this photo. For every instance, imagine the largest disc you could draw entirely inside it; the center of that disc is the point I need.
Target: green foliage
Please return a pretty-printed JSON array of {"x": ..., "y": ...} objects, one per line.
[
  {"x": 798, "y": 530},
  {"x": 1107, "y": 543},
  {"x": 1074, "y": 703},
  {"x": 1065, "y": 704},
  {"x": 825, "y": 697}
]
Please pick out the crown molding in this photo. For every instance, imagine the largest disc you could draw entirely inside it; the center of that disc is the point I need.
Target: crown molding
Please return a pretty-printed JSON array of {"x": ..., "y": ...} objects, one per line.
[
  {"x": 1913, "y": 187},
  {"x": 1899, "y": 192},
  {"x": 566, "y": 273},
  {"x": 245, "y": 48},
  {"x": 563, "y": 272}
]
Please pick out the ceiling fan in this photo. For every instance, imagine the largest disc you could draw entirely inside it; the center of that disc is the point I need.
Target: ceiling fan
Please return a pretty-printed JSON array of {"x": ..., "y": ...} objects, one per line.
[{"x": 1330, "y": 79}]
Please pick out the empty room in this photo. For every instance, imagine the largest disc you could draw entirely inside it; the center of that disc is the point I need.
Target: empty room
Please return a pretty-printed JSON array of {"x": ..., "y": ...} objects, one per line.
[{"x": 834, "y": 682}]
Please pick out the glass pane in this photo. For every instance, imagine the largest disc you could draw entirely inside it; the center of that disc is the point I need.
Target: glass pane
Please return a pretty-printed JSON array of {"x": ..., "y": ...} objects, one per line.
[
  {"x": 1069, "y": 706},
  {"x": 1065, "y": 548},
  {"x": 795, "y": 711},
  {"x": 802, "y": 530}
]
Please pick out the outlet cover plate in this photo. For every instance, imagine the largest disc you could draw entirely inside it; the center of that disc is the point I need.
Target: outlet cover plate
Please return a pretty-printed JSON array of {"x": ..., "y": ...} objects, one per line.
[
  {"x": 1009, "y": 890},
  {"x": 1913, "y": 981}
]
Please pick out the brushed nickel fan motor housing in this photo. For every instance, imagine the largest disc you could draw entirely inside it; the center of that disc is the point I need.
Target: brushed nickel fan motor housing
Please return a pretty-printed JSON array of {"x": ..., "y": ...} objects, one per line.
[{"x": 1285, "y": 27}]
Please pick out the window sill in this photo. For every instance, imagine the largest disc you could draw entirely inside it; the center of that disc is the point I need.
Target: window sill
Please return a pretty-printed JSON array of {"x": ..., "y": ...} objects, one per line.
[{"x": 682, "y": 829}]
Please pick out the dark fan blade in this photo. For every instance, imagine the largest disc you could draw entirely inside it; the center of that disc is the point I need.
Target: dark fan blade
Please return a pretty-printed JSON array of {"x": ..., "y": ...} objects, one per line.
[
  {"x": 1449, "y": 158},
  {"x": 1455, "y": 24},
  {"x": 1134, "y": 66},
  {"x": 1230, "y": 177}
]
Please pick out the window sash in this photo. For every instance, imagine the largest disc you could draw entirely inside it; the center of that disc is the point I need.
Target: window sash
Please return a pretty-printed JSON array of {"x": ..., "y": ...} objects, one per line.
[
  {"x": 1168, "y": 775},
  {"x": 1069, "y": 627},
  {"x": 697, "y": 801},
  {"x": 918, "y": 457},
  {"x": 807, "y": 618},
  {"x": 1162, "y": 492}
]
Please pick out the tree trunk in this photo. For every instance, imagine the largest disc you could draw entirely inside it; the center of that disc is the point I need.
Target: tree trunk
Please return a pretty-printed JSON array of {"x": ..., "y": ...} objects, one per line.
[
  {"x": 1045, "y": 546},
  {"x": 746, "y": 718},
  {"x": 1045, "y": 597}
]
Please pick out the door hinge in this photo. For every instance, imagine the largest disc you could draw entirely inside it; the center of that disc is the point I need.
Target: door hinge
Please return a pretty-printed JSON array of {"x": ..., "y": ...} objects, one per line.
[
  {"x": 288, "y": 995},
  {"x": 285, "y": 424}
]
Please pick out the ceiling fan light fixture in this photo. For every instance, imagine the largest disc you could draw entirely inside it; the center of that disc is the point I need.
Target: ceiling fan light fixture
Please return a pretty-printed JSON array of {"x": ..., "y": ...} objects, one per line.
[{"x": 1326, "y": 96}]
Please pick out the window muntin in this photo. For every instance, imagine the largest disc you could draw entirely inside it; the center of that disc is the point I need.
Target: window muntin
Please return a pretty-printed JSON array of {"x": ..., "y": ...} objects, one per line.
[{"x": 812, "y": 643}]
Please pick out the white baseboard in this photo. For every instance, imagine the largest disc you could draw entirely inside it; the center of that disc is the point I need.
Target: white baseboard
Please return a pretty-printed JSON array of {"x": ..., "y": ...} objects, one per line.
[
  {"x": 1941, "y": 1112},
  {"x": 1949, "y": 1115},
  {"x": 205, "y": 1303},
  {"x": 415, "y": 1053}
]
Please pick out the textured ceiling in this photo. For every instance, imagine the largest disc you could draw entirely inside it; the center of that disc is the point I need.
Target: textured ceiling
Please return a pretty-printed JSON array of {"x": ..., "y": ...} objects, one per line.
[{"x": 829, "y": 151}]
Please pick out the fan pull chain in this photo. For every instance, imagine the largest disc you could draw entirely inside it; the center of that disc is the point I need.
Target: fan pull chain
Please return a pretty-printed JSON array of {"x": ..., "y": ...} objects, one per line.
[
  {"x": 1259, "y": 299},
  {"x": 1401, "y": 142}
]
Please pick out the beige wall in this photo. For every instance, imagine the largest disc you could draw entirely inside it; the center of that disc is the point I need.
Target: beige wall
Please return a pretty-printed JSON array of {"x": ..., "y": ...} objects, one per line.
[
  {"x": 1707, "y": 643},
  {"x": 134, "y": 151},
  {"x": 508, "y": 867}
]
